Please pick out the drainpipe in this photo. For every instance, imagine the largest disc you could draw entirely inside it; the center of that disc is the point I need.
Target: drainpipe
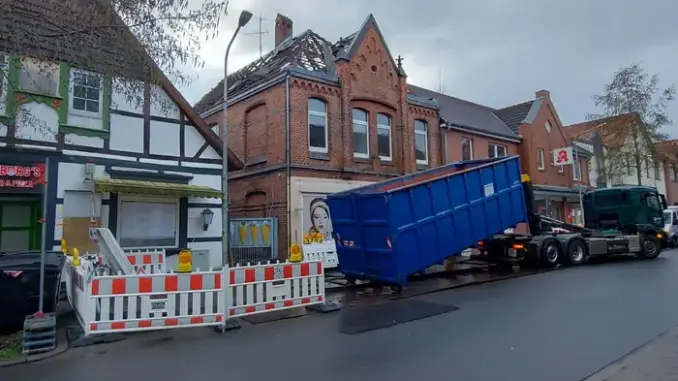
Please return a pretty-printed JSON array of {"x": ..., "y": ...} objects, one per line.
[
  {"x": 444, "y": 128},
  {"x": 288, "y": 164}
]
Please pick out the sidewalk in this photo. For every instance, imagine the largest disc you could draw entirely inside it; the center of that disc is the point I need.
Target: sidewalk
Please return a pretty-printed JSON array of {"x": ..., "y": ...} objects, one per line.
[{"x": 655, "y": 361}]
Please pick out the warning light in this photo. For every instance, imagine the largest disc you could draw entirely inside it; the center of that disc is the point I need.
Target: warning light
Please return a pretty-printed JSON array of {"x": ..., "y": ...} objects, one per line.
[
  {"x": 480, "y": 243},
  {"x": 185, "y": 265},
  {"x": 518, "y": 246},
  {"x": 295, "y": 253}
]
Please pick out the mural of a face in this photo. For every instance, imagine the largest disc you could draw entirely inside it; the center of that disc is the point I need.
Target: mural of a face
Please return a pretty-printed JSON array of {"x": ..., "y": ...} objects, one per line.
[{"x": 320, "y": 218}]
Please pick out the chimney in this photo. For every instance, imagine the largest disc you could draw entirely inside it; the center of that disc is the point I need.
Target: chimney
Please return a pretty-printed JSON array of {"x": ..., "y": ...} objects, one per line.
[
  {"x": 542, "y": 94},
  {"x": 283, "y": 29}
]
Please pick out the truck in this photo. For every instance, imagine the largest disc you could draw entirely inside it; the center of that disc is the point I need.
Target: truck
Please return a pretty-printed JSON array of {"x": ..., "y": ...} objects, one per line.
[
  {"x": 617, "y": 220},
  {"x": 388, "y": 231}
]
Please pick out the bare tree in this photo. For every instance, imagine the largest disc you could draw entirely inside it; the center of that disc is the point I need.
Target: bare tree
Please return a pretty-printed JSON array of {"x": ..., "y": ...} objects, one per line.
[
  {"x": 640, "y": 105},
  {"x": 129, "y": 40}
]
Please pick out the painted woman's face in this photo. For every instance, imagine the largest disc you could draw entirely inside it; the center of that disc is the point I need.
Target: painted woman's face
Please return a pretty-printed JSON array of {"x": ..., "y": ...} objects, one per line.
[{"x": 321, "y": 220}]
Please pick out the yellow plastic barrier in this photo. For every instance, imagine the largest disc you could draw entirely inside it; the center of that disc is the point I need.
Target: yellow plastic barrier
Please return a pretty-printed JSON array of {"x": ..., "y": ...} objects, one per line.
[
  {"x": 64, "y": 247},
  {"x": 76, "y": 257},
  {"x": 185, "y": 261},
  {"x": 295, "y": 253}
]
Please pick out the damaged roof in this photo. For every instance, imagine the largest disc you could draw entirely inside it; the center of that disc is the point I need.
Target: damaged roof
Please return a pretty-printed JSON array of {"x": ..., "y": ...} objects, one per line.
[
  {"x": 55, "y": 34},
  {"x": 308, "y": 52},
  {"x": 467, "y": 115}
]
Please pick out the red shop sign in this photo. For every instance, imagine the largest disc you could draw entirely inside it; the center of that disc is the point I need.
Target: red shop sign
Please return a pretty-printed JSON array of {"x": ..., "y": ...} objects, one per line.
[{"x": 22, "y": 176}]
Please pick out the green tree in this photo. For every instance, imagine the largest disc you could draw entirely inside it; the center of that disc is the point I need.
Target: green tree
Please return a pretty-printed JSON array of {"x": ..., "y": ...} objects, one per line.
[{"x": 633, "y": 92}]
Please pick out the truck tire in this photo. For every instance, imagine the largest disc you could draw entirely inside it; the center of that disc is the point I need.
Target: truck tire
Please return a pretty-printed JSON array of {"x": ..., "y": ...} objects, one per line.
[
  {"x": 649, "y": 247},
  {"x": 576, "y": 253},
  {"x": 550, "y": 254}
]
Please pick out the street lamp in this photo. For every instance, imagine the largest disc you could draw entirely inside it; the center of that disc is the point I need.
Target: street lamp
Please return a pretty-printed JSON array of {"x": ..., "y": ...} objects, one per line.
[{"x": 244, "y": 18}]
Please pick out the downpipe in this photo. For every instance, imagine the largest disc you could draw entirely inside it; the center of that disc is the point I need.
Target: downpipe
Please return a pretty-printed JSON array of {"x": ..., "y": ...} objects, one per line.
[{"x": 288, "y": 163}]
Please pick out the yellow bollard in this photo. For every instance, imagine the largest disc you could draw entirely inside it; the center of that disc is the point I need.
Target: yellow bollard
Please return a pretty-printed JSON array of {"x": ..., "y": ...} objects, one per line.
[
  {"x": 64, "y": 247},
  {"x": 295, "y": 253},
  {"x": 76, "y": 257},
  {"x": 185, "y": 265}
]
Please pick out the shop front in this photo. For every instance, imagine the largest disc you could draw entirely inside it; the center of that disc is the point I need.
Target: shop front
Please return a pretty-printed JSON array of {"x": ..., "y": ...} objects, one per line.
[
  {"x": 22, "y": 184},
  {"x": 560, "y": 203}
]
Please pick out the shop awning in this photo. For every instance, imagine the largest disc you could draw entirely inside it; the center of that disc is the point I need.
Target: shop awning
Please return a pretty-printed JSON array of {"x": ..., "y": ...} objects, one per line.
[{"x": 153, "y": 188}]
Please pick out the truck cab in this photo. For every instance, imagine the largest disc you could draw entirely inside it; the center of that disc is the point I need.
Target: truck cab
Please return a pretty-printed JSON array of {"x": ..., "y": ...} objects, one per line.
[{"x": 629, "y": 209}]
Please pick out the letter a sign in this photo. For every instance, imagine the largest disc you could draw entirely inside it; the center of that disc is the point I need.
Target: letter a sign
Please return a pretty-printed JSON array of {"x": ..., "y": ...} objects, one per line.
[{"x": 562, "y": 156}]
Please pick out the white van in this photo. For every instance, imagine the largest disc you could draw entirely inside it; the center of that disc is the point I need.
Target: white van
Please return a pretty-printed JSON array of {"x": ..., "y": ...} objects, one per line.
[{"x": 671, "y": 225}]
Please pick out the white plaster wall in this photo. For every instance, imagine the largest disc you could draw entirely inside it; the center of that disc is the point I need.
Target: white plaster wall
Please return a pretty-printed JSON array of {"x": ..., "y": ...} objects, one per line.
[
  {"x": 120, "y": 93},
  {"x": 127, "y": 133},
  {"x": 37, "y": 121},
  {"x": 164, "y": 139},
  {"x": 162, "y": 105},
  {"x": 192, "y": 141},
  {"x": 86, "y": 141},
  {"x": 309, "y": 185},
  {"x": 210, "y": 153}
]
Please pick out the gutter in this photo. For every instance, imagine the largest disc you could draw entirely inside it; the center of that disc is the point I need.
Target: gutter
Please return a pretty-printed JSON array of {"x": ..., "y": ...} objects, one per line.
[
  {"x": 476, "y": 132},
  {"x": 288, "y": 163}
]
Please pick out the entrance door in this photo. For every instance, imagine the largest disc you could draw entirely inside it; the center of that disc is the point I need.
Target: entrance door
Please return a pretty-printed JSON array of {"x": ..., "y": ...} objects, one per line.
[{"x": 19, "y": 226}]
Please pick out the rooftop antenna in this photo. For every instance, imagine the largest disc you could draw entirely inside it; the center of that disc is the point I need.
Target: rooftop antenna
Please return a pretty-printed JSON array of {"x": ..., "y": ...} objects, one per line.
[
  {"x": 260, "y": 33},
  {"x": 441, "y": 88}
]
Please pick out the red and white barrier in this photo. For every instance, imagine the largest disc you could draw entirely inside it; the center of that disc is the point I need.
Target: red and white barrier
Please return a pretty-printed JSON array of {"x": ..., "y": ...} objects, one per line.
[
  {"x": 148, "y": 261},
  {"x": 274, "y": 286},
  {"x": 153, "y": 301}
]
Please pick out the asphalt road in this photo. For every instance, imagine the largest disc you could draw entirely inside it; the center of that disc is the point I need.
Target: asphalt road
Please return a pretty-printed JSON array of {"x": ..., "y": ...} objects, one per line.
[{"x": 558, "y": 326}]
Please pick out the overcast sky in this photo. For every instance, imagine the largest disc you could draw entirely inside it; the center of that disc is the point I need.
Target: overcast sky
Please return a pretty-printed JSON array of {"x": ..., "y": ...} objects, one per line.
[{"x": 493, "y": 52}]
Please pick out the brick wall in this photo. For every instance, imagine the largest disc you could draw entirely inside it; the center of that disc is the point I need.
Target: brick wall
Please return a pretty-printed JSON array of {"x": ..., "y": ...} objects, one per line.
[{"x": 480, "y": 145}]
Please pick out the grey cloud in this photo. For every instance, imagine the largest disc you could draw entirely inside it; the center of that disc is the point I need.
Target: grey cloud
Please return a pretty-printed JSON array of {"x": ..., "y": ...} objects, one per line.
[{"x": 494, "y": 52}]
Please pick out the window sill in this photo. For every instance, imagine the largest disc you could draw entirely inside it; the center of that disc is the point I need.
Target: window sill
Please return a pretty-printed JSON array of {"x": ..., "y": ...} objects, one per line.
[
  {"x": 389, "y": 163},
  {"x": 85, "y": 114},
  {"x": 37, "y": 94},
  {"x": 361, "y": 160},
  {"x": 422, "y": 167},
  {"x": 319, "y": 156},
  {"x": 84, "y": 131}
]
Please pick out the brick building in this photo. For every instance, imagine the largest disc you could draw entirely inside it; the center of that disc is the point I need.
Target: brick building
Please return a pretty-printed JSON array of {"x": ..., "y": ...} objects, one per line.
[
  {"x": 668, "y": 154},
  {"x": 314, "y": 117},
  {"x": 531, "y": 129}
]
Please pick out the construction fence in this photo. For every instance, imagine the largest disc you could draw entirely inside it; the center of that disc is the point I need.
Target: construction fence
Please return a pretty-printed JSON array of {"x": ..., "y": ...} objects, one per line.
[{"x": 146, "y": 297}]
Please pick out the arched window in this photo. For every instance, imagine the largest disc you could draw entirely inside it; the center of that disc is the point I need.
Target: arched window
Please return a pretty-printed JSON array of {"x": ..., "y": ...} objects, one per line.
[
  {"x": 361, "y": 134},
  {"x": 317, "y": 125},
  {"x": 421, "y": 141},
  {"x": 384, "y": 142}
]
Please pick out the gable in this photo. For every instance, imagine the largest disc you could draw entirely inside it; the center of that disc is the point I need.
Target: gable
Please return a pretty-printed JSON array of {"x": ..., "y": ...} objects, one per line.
[
  {"x": 119, "y": 55},
  {"x": 369, "y": 32}
]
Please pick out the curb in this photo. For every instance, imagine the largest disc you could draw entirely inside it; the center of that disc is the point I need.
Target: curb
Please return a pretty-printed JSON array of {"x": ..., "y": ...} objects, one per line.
[
  {"x": 618, "y": 362},
  {"x": 62, "y": 346}
]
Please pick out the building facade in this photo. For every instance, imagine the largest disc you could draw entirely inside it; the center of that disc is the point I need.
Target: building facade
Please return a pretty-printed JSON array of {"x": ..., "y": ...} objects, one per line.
[
  {"x": 312, "y": 118},
  {"x": 74, "y": 141}
]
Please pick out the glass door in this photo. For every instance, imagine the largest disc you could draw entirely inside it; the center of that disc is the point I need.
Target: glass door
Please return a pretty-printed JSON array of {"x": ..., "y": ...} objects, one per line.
[{"x": 19, "y": 226}]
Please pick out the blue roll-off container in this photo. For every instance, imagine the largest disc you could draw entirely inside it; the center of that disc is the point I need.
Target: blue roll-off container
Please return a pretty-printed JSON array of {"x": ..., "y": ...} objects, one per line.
[{"x": 387, "y": 231}]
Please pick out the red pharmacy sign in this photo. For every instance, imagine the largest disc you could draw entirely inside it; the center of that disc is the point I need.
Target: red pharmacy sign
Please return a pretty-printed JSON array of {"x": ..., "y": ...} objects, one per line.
[{"x": 22, "y": 176}]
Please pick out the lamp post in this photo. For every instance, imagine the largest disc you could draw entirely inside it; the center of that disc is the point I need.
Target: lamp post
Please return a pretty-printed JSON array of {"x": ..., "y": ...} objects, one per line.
[{"x": 244, "y": 18}]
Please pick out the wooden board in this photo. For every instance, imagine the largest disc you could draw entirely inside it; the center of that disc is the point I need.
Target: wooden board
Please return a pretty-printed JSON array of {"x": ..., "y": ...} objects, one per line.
[{"x": 76, "y": 234}]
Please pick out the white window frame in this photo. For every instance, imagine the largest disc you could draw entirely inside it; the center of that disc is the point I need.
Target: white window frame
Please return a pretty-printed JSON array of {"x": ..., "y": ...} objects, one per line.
[
  {"x": 496, "y": 149},
  {"x": 672, "y": 172},
  {"x": 390, "y": 136},
  {"x": 575, "y": 166},
  {"x": 540, "y": 159},
  {"x": 71, "y": 94},
  {"x": 160, "y": 200},
  {"x": 425, "y": 134},
  {"x": 366, "y": 124},
  {"x": 470, "y": 145},
  {"x": 308, "y": 125}
]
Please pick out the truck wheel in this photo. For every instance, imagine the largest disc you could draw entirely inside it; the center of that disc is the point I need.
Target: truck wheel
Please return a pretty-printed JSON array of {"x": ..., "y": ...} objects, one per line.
[
  {"x": 649, "y": 247},
  {"x": 550, "y": 254},
  {"x": 576, "y": 253}
]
